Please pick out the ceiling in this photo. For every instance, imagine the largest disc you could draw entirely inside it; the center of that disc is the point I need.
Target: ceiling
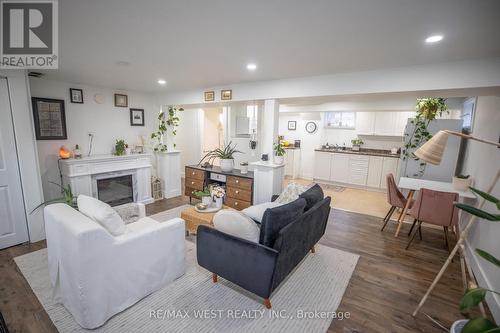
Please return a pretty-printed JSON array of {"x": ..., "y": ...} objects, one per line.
[{"x": 198, "y": 43}]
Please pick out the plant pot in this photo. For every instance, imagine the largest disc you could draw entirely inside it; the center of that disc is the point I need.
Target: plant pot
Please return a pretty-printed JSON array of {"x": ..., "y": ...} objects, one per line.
[
  {"x": 207, "y": 200},
  {"x": 227, "y": 165},
  {"x": 355, "y": 148},
  {"x": 279, "y": 160},
  {"x": 458, "y": 325},
  {"x": 218, "y": 202},
  {"x": 461, "y": 184}
]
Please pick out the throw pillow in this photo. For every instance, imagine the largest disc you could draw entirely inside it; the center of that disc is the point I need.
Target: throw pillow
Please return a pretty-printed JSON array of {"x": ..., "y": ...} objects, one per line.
[
  {"x": 256, "y": 212},
  {"x": 102, "y": 213},
  {"x": 312, "y": 196},
  {"x": 235, "y": 223},
  {"x": 277, "y": 218},
  {"x": 291, "y": 193}
]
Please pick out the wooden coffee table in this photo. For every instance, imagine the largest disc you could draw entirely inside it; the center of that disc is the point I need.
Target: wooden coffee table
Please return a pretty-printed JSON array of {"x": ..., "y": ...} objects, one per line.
[{"x": 194, "y": 219}]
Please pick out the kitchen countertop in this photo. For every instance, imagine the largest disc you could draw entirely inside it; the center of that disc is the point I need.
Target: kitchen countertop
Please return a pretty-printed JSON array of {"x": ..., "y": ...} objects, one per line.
[
  {"x": 216, "y": 169},
  {"x": 291, "y": 147},
  {"x": 362, "y": 151}
]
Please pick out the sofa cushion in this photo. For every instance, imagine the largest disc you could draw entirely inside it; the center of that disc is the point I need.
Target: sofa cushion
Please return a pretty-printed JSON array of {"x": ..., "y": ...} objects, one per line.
[
  {"x": 237, "y": 224},
  {"x": 275, "y": 219},
  {"x": 312, "y": 196},
  {"x": 102, "y": 213},
  {"x": 256, "y": 212},
  {"x": 291, "y": 193}
]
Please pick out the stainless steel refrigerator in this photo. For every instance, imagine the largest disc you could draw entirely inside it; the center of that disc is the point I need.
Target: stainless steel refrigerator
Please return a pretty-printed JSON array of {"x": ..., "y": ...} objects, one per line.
[{"x": 410, "y": 167}]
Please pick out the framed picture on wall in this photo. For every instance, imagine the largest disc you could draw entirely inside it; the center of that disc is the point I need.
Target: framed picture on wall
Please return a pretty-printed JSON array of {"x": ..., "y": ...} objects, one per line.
[
  {"x": 50, "y": 118},
  {"x": 136, "y": 117},
  {"x": 121, "y": 100},
  {"x": 292, "y": 125},
  {"x": 209, "y": 96},
  {"x": 226, "y": 95},
  {"x": 76, "y": 95}
]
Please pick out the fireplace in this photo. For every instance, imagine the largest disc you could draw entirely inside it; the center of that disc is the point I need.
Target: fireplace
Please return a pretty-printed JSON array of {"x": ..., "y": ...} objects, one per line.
[{"x": 116, "y": 190}]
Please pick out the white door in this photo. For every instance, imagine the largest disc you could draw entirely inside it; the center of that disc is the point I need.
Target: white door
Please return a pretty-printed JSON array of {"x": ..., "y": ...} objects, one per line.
[
  {"x": 13, "y": 228},
  {"x": 340, "y": 168}
]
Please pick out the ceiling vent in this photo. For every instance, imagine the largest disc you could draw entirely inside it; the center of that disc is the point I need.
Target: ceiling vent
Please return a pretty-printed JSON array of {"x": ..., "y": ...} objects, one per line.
[{"x": 35, "y": 74}]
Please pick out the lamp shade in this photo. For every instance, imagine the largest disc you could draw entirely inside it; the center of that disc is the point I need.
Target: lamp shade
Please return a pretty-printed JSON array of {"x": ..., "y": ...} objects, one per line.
[{"x": 432, "y": 151}]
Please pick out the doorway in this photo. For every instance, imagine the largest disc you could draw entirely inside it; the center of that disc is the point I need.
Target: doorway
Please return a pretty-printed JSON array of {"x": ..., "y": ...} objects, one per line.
[
  {"x": 13, "y": 227},
  {"x": 213, "y": 130}
]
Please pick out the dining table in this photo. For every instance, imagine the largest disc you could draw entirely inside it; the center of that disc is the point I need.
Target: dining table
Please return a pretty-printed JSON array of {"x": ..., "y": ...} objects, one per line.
[{"x": 415, "y": 184}]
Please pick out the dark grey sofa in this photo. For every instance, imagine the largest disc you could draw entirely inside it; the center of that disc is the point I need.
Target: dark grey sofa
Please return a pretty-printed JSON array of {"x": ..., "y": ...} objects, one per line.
[{"x": 287, "y": 234}]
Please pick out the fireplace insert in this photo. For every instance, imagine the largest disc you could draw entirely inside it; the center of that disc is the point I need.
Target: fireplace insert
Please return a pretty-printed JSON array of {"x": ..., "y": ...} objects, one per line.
[{"x": 116, "y": 191}]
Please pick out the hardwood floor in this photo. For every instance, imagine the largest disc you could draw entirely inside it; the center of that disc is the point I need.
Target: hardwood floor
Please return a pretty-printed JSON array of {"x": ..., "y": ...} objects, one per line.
[{"x": 383, "y": 292}]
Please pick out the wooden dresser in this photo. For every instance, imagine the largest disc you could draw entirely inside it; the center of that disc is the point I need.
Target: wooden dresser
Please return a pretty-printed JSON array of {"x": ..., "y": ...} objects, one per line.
[{"x": 239, "y": 187}]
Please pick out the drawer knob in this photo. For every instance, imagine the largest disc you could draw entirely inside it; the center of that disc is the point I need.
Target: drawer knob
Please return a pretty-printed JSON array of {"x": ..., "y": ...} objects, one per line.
[
  {"x": 193, "y": 172},
  {"x": 237, "y": 181},
  {"x": 236, "y": 191},
  {"x": 236, "y": 203},
  {"x": 192, "y": 183}
]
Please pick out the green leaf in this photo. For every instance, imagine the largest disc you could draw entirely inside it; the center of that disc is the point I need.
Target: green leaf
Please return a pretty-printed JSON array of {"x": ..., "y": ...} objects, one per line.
[
  {"x": 488, "y": 257},
  {"x": 486, "y": 196},
  {"x": 479, "y": 325},
  {"x": 478, "y": 212},
  {"x": 472, "y": 298}
]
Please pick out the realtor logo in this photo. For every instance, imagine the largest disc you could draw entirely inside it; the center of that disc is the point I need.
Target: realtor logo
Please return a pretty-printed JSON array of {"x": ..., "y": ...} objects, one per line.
[{"x": 29, "y": 34}]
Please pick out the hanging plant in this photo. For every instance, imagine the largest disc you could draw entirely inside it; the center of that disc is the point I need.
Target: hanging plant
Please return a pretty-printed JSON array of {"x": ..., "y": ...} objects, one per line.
[
  {"x": 166, "y": 122},
  {"x": 427, "y": 110}
]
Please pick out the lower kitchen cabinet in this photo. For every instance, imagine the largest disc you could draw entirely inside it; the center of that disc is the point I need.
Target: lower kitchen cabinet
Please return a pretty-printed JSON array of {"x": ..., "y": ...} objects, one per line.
[
  {"x": 339, "y": 171},
  {"x": 390, "y": 165},
  {"x": 322, "y": 165},
  {"x": 374, "y": 171}
]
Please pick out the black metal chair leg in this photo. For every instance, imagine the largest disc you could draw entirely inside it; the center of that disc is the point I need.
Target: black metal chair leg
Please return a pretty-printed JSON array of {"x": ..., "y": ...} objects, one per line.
[
  {"x": 446, "y": 238},
  {"x": 420, "y": 231},
  {"x": 413, "y": 236},
  {"x": 413, "y": 225},
  {"x": 388, "y": 217}
]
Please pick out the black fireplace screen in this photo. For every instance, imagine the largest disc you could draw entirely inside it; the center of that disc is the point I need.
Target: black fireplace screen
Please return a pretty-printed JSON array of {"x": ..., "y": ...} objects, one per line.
[{"x": 116, "y": 191}]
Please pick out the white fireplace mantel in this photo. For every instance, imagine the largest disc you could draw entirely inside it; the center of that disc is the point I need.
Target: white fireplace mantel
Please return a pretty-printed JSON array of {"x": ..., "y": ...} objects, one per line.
[{"x": 82, "y": 174}]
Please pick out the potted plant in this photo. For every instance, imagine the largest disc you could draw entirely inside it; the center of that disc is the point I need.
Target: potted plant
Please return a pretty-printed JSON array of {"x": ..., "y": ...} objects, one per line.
[
  {"x": 205, "y": 196},
  {"x": 356, "y": 144},
  {"x": 120, "y": 147},
  {"x": 461, "y": 182},
  {"x": 218, "y": 193},
  {"x": 224, "y": 155},
  {"x": 169, "y": 120},
  {"x": 279, "y": 153},
  {"x": 67, "y": 198}
]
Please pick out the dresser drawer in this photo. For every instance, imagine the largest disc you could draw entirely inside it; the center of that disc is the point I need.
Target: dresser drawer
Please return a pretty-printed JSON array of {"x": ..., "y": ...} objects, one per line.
[
  {"x": 196, "y": 184},
  {"x": 195, "y": 174},
  {"x": 237, "y": 204},
  {"x": 239, "y": 194},
  {"x": 188, "y": 192},
  {"x": 239, "y": 182}
]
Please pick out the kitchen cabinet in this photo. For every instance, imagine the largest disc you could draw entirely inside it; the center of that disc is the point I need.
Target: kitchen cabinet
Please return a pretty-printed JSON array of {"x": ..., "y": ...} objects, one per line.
[
  {"x": 374, "y": 171},
  {"x": 365, "y": 122},
  {"x": 292, "y": 162},
  {"x": 389, "y": 165},
  {"x": 358, "y": 169},
  {"x": 383, "y": 123},
  {"x": 339, "y": 171},
  {"x": 322, "y": 164}
]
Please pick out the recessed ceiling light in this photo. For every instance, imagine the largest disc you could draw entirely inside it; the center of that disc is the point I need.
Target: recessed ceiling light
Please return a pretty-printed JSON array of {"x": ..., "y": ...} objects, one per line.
[
  {"x": 434, "y": 39},
  {"x": 161, "y": 81},
  {"x": 251, "y": 67},
  {"x": 122, "y": 63}
]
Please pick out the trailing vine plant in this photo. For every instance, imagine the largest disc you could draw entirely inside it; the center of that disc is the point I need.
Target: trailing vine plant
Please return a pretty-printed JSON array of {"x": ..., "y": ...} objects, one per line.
[
  {"x": 167, "y": 121},
  {"x": 427, "y": 110}
]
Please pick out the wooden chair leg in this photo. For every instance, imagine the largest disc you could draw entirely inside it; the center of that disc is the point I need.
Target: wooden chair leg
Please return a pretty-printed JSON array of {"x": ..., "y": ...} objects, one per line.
[
  {"x": 388, "y": 217},
  {"x": 214, "y": 277},
  {"x": 267, "y": 303},
  {"x": 413, "y": 236},
  {"x": 313, "y": 250},
  {"x": 412, "y": 226}
]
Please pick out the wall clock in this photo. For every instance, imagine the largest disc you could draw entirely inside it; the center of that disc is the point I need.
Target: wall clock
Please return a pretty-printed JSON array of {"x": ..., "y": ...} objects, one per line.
[
  {"x": 99, "y": 99},
  {"x": 311, "y": 127}
]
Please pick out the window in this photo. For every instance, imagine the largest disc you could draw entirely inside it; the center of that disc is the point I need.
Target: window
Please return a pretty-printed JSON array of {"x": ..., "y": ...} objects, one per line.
[{"x": 340, "y": 119}]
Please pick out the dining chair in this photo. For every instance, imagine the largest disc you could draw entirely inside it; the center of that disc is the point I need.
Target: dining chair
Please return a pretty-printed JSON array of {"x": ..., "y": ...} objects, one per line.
[
  {"x": 395, "y": 198},
  {"x": 434, "y": 207}
]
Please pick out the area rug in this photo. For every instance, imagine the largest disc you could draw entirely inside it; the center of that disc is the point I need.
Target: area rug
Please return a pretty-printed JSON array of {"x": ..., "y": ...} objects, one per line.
[{"x": 306, "y": 302}]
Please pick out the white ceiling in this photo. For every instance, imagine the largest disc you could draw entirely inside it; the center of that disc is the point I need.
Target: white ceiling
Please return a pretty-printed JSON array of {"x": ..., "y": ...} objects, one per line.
[{"x": 200, "y": 43}]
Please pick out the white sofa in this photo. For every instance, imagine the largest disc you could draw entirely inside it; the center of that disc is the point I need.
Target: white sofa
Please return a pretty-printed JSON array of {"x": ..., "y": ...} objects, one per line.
[{"x": 96, "y": 275}]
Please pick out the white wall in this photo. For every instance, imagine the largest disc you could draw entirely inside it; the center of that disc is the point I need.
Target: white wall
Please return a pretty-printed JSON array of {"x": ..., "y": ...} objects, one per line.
[
  {"x": 189, "y": 134},
  {"x": 482, "y": 162},
  {"x": 107, "y": 122}
]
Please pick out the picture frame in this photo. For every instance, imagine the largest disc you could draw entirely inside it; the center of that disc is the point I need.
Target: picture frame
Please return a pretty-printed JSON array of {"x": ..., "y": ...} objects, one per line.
[
  {"x": 121, "y": 100},
  {"x": 226, "y": 95},
  {"x": 209, "y": 96},
  {"x": 50, "y": 118},
  {"x": 136, "y": 117},
  {"x": 292, "y": 125},
  {"x": 76, "y": 95}
]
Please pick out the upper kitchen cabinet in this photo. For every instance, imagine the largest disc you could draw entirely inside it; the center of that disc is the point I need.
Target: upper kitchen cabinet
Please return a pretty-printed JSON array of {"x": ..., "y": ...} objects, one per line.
[{"x": 382, "y": 123}]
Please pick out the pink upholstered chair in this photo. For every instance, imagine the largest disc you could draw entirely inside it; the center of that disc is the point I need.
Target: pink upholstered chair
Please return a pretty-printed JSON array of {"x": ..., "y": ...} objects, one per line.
[
  {"x": 395, "y": 198},
  {"x": 436, "y": 208}
]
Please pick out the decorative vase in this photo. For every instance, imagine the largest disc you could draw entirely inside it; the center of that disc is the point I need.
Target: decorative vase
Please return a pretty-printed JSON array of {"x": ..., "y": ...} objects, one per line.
[
  {"x": 227, "y": 165},
  {"x": 244, "y": 169},
  {"x": 279, "y": 160},
  {"x": 458, "y": 325},
  {"x": 128, "y": 151},
  {"x": 207, "y": 200},
  {"x": 461, "y": 184},
  {"x": 218, "y": 202}
]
